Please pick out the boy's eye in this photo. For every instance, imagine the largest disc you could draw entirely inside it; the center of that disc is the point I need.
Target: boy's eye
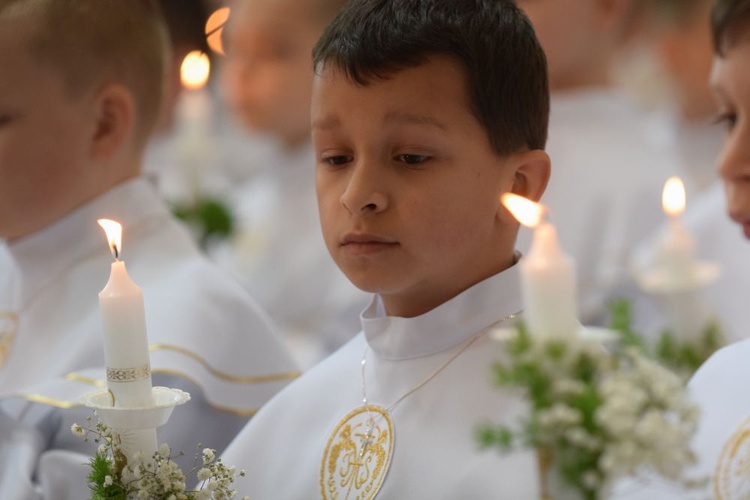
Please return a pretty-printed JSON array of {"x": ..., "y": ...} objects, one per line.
[
  {"x": 337, "y": 160},
  {"x": 412, "y": 159},
  {"x": 727, "y": 119}
]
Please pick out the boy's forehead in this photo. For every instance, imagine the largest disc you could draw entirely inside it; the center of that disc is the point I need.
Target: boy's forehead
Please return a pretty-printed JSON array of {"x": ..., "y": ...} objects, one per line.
[
  {"x": 418, "y": 95},
  {"x": 16, "y": 40}
]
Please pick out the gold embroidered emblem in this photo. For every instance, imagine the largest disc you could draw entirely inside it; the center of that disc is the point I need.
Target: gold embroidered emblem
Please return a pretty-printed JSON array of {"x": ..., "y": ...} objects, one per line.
[
  {"x": 8, "y": 327},
  {"x": 357, "y": 456},
  {"x": 732, "y": 475}
]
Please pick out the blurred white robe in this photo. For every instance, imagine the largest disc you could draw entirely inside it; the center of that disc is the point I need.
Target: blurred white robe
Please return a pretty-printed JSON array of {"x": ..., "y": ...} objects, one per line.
[
  {"x": 207, "y": 336},
  {"x": 435, "y": 455}
]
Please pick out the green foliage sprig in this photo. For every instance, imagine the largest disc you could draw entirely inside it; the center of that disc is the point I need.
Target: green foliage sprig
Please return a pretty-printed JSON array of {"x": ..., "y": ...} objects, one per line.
[{"x": 211, "y": 219}]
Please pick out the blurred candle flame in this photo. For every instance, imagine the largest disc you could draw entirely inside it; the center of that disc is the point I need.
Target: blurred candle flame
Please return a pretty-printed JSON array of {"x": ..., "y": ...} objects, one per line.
[
  {"x": 113, "y": 230},
  {"x": 527, "y": 212},
  {"x": 195, "y": 70},
  {"x": 215, "y": 29},
  {"x": 673, "y": 196}
]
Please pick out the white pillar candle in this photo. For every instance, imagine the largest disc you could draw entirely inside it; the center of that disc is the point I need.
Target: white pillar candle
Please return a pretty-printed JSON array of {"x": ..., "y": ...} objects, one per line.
[
  {"x": 676, "y": 250},
  {"x": 126, "y": 354},
  {"x": 548, "y": 281},
  {"x": 194, "y": 110}
]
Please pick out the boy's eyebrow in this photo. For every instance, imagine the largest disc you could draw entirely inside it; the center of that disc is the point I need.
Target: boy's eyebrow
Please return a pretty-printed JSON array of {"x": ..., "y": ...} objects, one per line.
[{"x": 413, "y": 119}]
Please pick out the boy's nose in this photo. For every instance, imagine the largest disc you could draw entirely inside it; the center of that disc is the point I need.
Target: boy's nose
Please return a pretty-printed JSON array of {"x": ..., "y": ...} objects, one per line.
[
  {"x": 734, "y": 168},
  {"x": 364, "y": 191},
  {"x": 734, "y": 161}
]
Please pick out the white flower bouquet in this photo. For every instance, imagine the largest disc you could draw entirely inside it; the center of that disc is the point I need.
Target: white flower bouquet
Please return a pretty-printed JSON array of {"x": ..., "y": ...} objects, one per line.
[
  {"x": 595, "y": 415},
  {"x": 156, "y": 477}
]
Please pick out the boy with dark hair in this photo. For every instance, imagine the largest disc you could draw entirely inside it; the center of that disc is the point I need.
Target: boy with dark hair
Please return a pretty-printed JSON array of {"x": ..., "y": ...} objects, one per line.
[
  {"x": 80, "y": 93},
  {"x": 722, "y": 443},
  {"x": 421, "y": 121}
]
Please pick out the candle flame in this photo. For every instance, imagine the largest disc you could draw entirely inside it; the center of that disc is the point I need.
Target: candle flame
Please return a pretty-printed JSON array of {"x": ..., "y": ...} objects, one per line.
[
  {"x": 673, "y": 196},
  {"x": 195, "y": 70},
  {"x": 113, "y": 230},
  {"x": 527, "y": 212},
  {"x": 215, "y": 29}
]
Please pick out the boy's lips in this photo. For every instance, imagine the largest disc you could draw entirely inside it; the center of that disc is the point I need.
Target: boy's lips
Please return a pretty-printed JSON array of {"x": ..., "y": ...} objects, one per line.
[{"x": 361, "y": 243}]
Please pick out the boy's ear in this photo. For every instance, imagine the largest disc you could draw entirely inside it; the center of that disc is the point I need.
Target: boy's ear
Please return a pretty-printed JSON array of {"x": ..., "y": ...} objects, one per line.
[
  {"x": 531, "y": 174},
  {"x": 115, "y": 118}
]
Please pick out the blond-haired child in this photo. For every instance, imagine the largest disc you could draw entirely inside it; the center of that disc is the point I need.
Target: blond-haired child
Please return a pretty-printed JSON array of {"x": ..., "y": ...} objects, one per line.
[{"x": 79, "y": 95}]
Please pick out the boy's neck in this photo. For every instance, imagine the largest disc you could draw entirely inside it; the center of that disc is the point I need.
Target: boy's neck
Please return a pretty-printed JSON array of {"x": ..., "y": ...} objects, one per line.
[{"x": 410, "y": 307}]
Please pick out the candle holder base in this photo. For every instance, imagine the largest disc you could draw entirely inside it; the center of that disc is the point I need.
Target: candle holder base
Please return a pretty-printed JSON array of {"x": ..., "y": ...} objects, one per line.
[
  {"x": 658, "y": 280},
  {"x": 149, "y": 417}
]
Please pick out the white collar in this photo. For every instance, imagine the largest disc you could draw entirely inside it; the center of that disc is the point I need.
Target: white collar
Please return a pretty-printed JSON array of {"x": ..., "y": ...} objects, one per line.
[
  {"x": 43, "y": 256},
  {"x": 446, "y": 326}
]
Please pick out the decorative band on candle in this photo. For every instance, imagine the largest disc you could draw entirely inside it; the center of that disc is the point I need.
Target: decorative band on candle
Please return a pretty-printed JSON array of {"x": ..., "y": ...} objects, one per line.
[{"x": 128, "y": 374}]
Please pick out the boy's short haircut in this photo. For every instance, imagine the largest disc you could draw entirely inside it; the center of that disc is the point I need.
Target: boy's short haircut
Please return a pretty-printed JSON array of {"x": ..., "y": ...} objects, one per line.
[
  {"x": 730, "y": 20},
  {"x": 95, "y": 42},
  {"x": 493, "y": 40}
]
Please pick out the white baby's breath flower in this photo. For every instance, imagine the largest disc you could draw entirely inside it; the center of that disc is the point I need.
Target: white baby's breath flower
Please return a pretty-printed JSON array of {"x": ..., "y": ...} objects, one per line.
[
  {"x": 208, "y": 455},
  {"x": 204, "y": 473},
  {"x": 164, "y": 450},
  {"x": 591, "y": 480},
  {"x": 77, "y": 430},
  {"x": 108, "y": 480}
]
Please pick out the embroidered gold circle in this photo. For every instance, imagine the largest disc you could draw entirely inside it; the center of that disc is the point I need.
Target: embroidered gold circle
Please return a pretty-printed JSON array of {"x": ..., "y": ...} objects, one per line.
[
  {"x": 731, "y": 477},
  {"x": 355, "y": 461}
]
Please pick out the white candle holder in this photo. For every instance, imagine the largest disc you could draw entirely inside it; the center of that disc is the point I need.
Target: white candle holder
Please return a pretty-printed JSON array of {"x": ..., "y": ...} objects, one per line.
[
  {"x": 136, "y": 426},
  {"x": 660, "y": 280},
  {"x": 688, "y": 314}
]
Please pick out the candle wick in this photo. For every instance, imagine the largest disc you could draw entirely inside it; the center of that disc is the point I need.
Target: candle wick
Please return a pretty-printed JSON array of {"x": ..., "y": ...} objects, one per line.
[{"x": 116, "y": 253}]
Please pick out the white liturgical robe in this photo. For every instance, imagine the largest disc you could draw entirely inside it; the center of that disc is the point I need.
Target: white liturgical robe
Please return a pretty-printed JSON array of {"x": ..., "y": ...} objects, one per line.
[
  {"x": 207, "y": 336},
  {"x": 604, "y": 193},
  {"x": 434, "y": 454}
]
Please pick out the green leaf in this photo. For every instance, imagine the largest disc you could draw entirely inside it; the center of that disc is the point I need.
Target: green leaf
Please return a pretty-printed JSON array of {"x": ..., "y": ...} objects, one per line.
[{"x": 211, "y": 217}]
